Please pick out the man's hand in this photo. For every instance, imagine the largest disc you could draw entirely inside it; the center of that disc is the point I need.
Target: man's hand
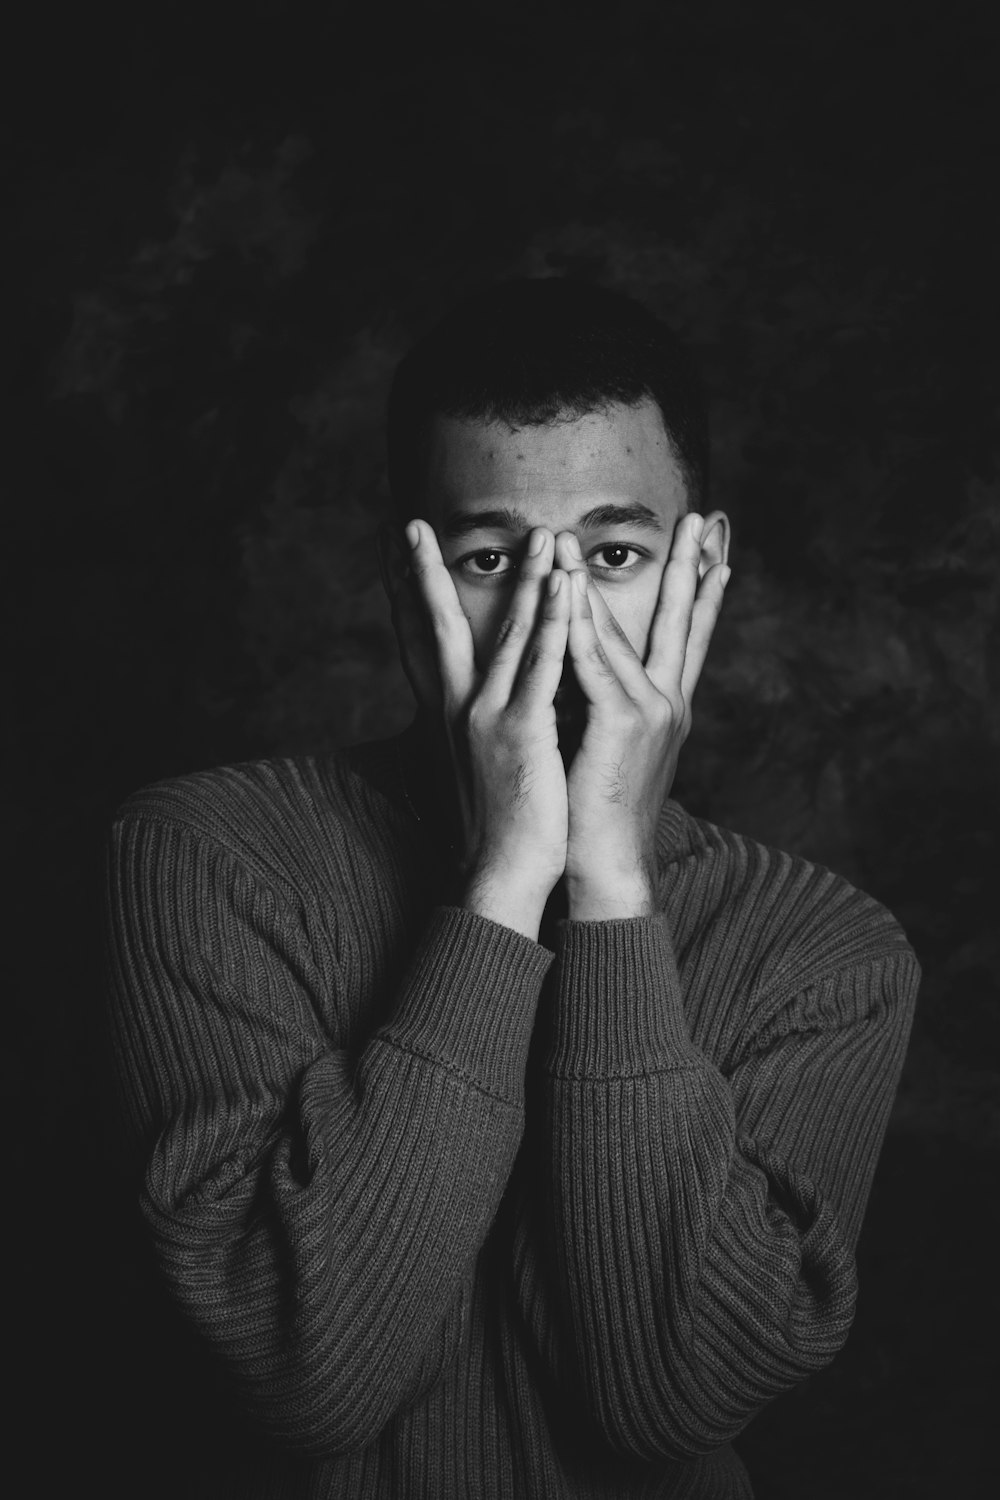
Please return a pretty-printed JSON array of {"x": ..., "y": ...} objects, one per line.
[
  {"x": 639, "y": 716},
  {"x": 499, "y": 724}
]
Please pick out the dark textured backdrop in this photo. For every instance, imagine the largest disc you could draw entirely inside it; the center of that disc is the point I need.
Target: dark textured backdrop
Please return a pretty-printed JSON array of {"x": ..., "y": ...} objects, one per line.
[{"x": 224, "y": 236}]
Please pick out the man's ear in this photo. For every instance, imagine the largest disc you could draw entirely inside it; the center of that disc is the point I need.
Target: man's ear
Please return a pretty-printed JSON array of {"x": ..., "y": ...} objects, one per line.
[
  {"x": 714, "y": 542},
  {"x": 393, "y": 557}
]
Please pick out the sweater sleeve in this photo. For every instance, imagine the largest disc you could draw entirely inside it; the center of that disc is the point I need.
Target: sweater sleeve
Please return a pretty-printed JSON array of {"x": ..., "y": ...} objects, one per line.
[
  {"x": 314, "y": 1214},
  {"x": 701, "y": 1227}
]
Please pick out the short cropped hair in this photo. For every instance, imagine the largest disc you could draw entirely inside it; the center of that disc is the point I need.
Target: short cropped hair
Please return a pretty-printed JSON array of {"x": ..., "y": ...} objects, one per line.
[{"x": 535, "y": 351}]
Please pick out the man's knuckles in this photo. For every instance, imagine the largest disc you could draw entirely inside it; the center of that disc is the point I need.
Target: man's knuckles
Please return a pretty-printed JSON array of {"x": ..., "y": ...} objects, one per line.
[
  {"x": 487, "y": 722},
  {"x": 646, "y": 722},
  {"x": 513, "y": 629},
  {"x": 542, "y": 652},
  {"x": 594, "y": 657},
  {"x": 605, "y": 622}
]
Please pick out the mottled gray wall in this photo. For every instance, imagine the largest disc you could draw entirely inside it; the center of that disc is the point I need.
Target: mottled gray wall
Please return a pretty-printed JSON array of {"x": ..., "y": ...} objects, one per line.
[{"x": 225, "y": 239}]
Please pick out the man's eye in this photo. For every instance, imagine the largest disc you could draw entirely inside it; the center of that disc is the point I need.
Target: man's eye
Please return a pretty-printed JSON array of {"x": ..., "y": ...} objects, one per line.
[
  {"x": 487, "y": 563},
  {"x": 615, "y": 559}
]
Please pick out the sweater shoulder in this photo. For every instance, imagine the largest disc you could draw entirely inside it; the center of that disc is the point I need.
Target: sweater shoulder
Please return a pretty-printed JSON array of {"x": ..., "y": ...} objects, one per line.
[
  {"x": 277, "y": 816},
  {"x": 225, "y": 802},
  {"x": 788, "y": 922}
]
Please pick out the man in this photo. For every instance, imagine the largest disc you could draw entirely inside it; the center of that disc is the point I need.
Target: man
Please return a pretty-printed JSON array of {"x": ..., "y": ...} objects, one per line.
[{"x": 505, "y": 1130}]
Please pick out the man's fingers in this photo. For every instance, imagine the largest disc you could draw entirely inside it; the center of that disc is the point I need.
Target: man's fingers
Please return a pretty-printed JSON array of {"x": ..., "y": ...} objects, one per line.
[
  {"x": 543, "y": 659},
  {"x": 672, "y": 622},
  {"x": 704, "y": 616},
  {"x": 449, "y": 627},
  {"x": 594, "y": 668},
  {"x": 618, "y": 648},
  {"x": 517, "y": 628}
]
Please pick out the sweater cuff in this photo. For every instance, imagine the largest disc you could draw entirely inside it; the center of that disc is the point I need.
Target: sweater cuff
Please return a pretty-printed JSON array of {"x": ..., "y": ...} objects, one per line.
[
  {"x": 617, "y": 1009},
  {"x": 469, "y": 999}
]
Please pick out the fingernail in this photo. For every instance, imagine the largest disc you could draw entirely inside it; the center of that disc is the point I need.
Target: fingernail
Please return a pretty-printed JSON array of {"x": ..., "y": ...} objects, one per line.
[
  {"x": 727, "y": 573},
  {"x": 555, "y": 582},
  {"x": 536, "y": 544},
  {"x": 413, "y": 534},
  {"x": 574, "y": 548},
  {"x": 698, "y": 529},
  {"x": 580, "y": 582}
]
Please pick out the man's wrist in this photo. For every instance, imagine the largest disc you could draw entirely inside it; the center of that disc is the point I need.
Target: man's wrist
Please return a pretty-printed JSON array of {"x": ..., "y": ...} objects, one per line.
[
  {"x": 601, "y": 899},
  {"x": 504, "y": 897}
]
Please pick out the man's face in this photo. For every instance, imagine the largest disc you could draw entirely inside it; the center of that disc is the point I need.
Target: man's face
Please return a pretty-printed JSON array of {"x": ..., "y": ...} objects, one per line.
[{"x": 610, "y": 478}]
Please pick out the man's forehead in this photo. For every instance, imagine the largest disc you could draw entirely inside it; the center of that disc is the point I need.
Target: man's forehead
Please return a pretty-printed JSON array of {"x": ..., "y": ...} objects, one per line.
[
  {"x": 618, "y": 457},
  {"x": 634, "y": 429}
]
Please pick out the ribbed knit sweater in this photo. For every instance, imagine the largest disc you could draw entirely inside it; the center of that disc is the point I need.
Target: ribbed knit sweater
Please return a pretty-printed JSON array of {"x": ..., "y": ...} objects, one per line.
[{"x": 456, "y": 1215}]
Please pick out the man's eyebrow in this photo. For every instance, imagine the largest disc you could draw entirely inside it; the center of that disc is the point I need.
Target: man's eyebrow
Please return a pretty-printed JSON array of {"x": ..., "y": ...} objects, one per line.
[
  {"x": 461, "y": 522},
  {"x": 620, "y": 515}
]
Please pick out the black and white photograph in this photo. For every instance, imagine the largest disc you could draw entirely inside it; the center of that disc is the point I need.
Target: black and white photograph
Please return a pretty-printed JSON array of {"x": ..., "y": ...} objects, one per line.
[{"x": 502, "y": 543}]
